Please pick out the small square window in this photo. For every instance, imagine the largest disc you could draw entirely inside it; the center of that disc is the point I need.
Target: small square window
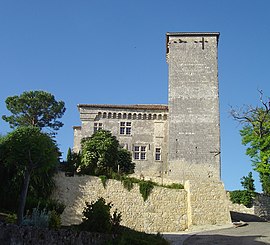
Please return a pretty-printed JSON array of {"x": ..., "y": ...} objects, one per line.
[{"x": 136, "y": 148}]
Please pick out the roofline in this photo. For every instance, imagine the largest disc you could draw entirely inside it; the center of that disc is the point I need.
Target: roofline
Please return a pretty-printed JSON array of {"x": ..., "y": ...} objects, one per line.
[
  {"x": 192, "y": 34},
  {"x": 134, "y": 107}
]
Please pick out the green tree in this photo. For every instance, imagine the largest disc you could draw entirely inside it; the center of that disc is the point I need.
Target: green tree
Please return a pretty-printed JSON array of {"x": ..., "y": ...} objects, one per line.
[
  {"x": 35, "y": 108},
  {"x": 28, "y": 152},
  {"x": 248, "y": 182},
  {"x": 73, "y": 161},
  {"x": 125, "y": 161},
  {"x": 256, "y": 135},
  {"x": 102, "y": 154}
]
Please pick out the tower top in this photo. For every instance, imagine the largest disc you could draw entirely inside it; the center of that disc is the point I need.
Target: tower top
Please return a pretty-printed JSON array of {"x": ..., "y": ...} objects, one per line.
[{"x": 190, "y": 34}]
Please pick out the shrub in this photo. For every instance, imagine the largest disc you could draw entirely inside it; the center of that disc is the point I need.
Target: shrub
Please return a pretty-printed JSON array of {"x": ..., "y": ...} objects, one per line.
[
  {"x": 174, "y": 186},
  {"x": 11, "y": 218},
  {"x": 38, "y": 218},
  {"x": 97, "y": 217},
  {"x": 54, "y": 220},
  {"x": 116, "y": 176},
  {"x": 127, "y": 183},
  {"x": 146, "y": 188},
  {"x": 49, "y": 205},
  {"x": 103, "y": 179},
  {"x": 242, "y": 197}
]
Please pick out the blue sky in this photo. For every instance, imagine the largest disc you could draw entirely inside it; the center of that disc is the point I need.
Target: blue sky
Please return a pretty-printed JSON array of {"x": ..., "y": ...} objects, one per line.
[{"x": 113, "y": 52}]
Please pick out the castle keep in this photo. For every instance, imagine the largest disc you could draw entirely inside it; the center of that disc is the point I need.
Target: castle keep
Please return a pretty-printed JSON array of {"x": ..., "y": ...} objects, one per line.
[{"x": 178, "y": 141}]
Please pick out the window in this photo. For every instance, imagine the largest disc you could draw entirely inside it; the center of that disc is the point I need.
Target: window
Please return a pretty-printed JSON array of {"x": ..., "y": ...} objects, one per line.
[
  {"x": 140, "y": 152},
  {"x": 97, "y": 126},
  {"x": 158, "y": 154},
  {"x": 125, "y": 128}
]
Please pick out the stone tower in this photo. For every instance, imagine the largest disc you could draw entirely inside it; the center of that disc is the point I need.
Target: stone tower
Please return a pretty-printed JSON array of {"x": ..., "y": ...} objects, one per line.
[{"x": 194, "y": 130}]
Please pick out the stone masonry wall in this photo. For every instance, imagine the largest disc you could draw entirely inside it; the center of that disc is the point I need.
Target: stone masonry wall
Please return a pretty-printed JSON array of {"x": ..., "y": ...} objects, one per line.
[
  {"x": 239, "y": 208},
  {"x": 165, "y": 210},
  {"x": 194, "y": 131},
  {"x": 261, "y": 206},
  {"x": 11, "y": 234},
  {"x": 207, "y": 203},
  {"x": 148, "y": 129}
]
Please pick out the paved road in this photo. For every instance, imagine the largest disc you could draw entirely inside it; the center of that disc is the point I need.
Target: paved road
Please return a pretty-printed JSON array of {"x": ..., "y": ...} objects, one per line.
[{"x": 254, "y": 233}]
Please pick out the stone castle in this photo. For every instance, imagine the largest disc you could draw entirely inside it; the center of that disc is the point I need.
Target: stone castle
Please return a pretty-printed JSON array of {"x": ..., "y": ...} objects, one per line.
[{"x": 179, "y": 141}]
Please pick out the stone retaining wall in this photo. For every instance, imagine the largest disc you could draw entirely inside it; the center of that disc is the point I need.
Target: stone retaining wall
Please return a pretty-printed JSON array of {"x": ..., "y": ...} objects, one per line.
[
  {"x": 19, "y": 235},
  {"x": 207, "y": 203},
  {"x": 165, "y": 209},
  {"x": 261, "y": 206}
]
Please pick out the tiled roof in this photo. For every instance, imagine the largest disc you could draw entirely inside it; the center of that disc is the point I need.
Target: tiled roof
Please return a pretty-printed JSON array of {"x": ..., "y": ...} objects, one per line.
[{"x": 136, "y": 107}]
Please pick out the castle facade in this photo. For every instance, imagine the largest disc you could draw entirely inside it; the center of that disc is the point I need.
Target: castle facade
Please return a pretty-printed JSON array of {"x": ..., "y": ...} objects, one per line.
[{"x": 178, "y": 141}]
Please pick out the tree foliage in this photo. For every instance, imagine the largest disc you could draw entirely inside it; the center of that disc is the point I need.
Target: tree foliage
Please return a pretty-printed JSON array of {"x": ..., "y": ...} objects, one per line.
[
  {"x": 29, "y": 157},
  {"x": 35, "y": 108},
  {"x": 125, "y": 161},
  {"x": 97, "y": 217},
  {"x": 256, "y": 136},
  {"x": 242, "y": 197},
  {"x": 102, "y": 154},
  {"x": 248, "y": 182},
  {"x": 72, "y": 163}
]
